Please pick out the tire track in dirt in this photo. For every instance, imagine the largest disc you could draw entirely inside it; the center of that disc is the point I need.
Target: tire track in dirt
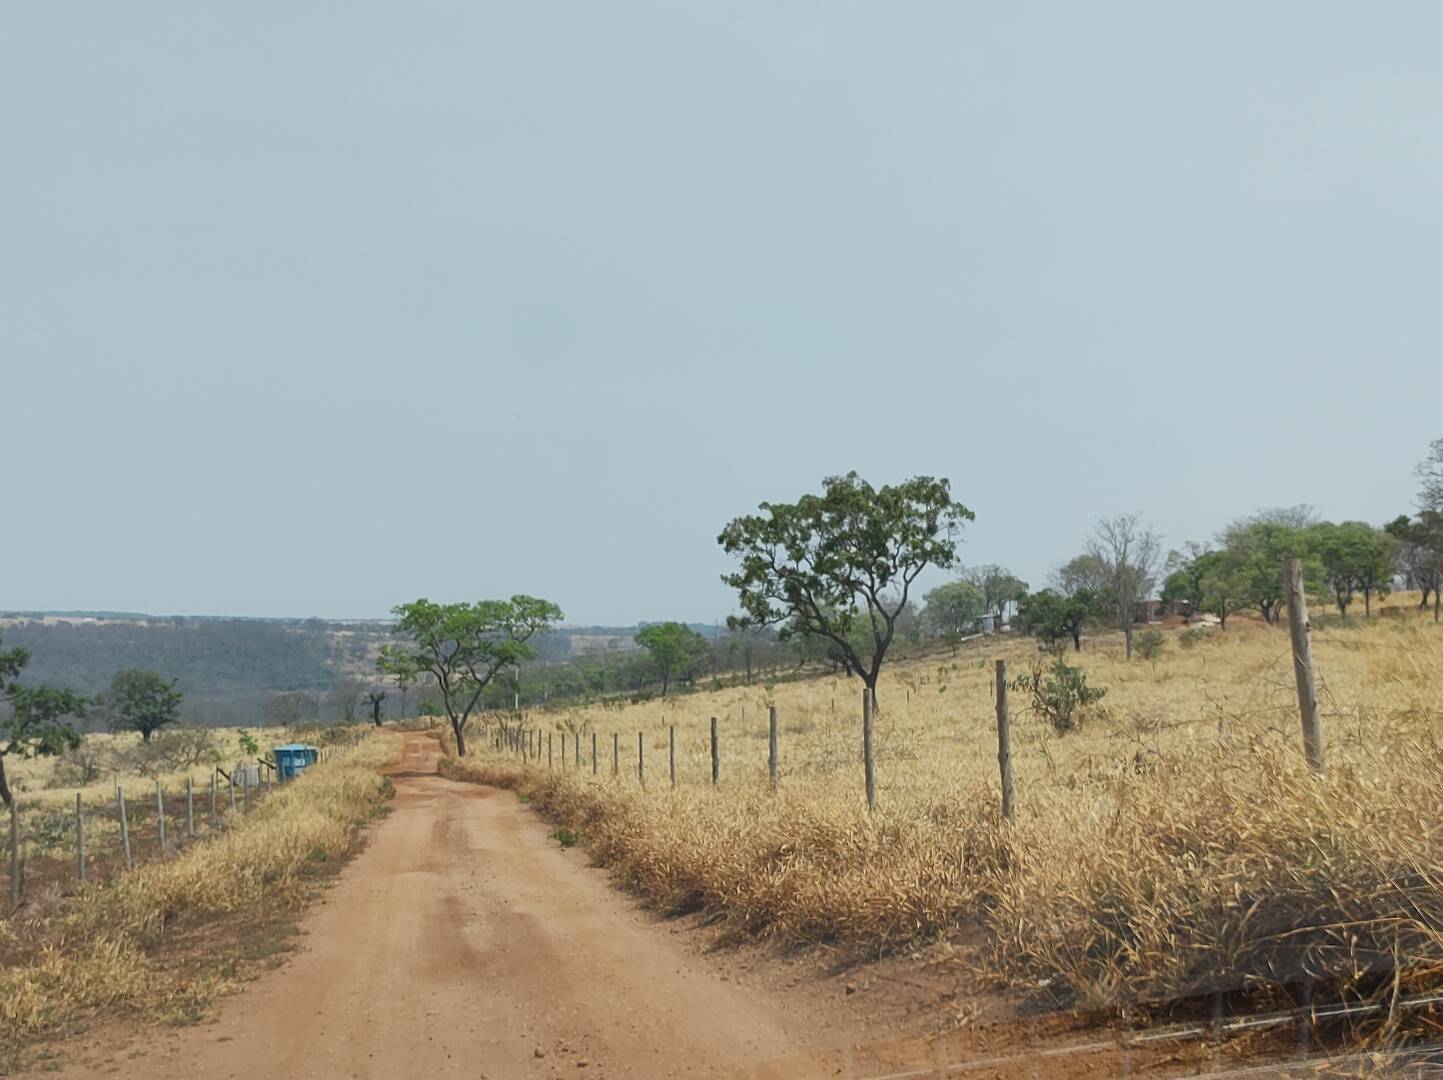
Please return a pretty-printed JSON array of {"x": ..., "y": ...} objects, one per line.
[{"x": 462, "y": 942}]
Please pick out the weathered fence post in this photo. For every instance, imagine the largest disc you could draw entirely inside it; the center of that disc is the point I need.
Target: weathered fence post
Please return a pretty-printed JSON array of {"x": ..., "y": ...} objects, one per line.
[
  {"x": 550, "y": 761},
  {"x": 124, "y": 825},
  {"x": 772, "y": 745},
  {"x": 231, "y": 780},
  {"x": 79, "y": 839},
  {"x": 14, "y": 852},
  {"x": 640, "y": 759},
  {"x": 715, "y": 758},
  {"x": 160, "y": 816},
  {"x": 869, "y": 759},
  {"x": 593, "y": 751},
  {"x": 1313, "y": 745},
  {"x": 1004, "y": 742},
  {"x": 615, "y": 753},
  {"x": 190, "y": 808},
  {"x": 214, "y": 784},
  {"x": 576, "y": 748},
  {"x": 671, "y": 751},
  {"x": 563, "y": 749}
]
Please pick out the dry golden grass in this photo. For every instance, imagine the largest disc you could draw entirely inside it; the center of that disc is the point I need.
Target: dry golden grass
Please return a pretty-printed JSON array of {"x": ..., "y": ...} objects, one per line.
[
  {"x": 101, "y": 947},
  {"x": 1176, "y": 843}
]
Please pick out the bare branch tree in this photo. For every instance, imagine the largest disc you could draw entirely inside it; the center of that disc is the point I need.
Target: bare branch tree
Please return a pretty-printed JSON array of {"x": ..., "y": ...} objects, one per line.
[{"x": 1127, "y": 553}]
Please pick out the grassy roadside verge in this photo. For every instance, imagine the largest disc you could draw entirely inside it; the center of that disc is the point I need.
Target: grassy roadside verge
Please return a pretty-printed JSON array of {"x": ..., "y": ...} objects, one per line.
[
  {"x": 1178, "y": 846},
  {"x": 164, "y": 940}
]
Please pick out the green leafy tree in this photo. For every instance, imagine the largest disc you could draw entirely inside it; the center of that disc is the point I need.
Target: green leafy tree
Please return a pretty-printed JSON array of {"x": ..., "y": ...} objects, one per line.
[
  {"x": 1053, "y": 618},
  {"x": 1418, "y": 552},
  {"x": 1356, "y": 558},
  {"x": 1059, "y": 693},
  {"x": 830, "y": 563},
  {"x": 463, "y": 647},
  {"x": 144, "y": 701},
  {"x": 1182, "y": 578},
  {"x": 1258, "y": 547},
  {"x": 1206, "y": 581},
  {"x": 1000, "y": 588},
  {"x": 952, "y": 610},
  {"x": 35, "y": 721},
  {"x": 674, "y": 647}
]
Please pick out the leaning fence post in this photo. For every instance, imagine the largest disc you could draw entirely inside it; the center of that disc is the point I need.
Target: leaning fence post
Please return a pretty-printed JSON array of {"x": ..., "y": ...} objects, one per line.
[
  {"x": 772, "y": 745},
  {"x": 715, "y": 759},
  {"x": 79, "y": 839},
  {"x": 124, "y": 825},
  {"x": 160, "y": 816},
  {"x": 1004, "y": 742},
  {"x": 189, "y": 807},
  {"x": 869, "y": 759},
  {"x": 671, "y": 752},
  {"x": 640, "y": 759},
  {"x": 14, "y": 852},
  {"x": 1313, "y": 744}
]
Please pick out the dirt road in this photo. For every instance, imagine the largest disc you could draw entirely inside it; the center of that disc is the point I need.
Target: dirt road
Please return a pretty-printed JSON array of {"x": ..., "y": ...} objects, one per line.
[{"x": 463, "y": 942}]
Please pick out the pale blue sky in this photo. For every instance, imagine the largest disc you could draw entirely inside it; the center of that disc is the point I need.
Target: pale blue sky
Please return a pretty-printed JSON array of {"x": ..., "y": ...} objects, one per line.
[{"x": 313, "y": 308}]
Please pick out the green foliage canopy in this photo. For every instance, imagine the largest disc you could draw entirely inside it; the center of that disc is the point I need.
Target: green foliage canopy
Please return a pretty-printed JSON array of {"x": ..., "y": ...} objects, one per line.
[
  {"x": 674, "y": 647},
  {"x": 144, "y": 701},
  {"x": 827, "y": 563},
  {"x": 34, "y": 720}
]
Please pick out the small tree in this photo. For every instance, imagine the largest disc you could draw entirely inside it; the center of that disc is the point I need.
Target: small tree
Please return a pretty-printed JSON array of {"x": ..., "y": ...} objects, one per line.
[
  {"x": 1150, "y": 645},
  {"x": 464, "y": 646},
  {"x": 1058, "y": 692},
  {"x": 1259, "y": 546},
  {"x": 1053, "y": 618},
  {"x": 1356, "y": 558},
  {"x": 1126, "y": 552},
  {"x": 39, "y": 720},
  {"x": 1000, "y": 588},
  {"x": 675, "y": 648},
  {"x": 842, "y": 560},
  {"x": 1418, "y": 551},
  {"x": 144, "y": 701},
  {"x": 375, "y": 699},
  {"x": 952, "y": 610},
  {"x": 1430, "y": 474}
]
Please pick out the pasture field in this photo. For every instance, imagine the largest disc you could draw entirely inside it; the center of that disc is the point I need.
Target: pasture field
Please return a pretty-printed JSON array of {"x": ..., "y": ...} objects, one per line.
[{"x": 1176, "y": 844}]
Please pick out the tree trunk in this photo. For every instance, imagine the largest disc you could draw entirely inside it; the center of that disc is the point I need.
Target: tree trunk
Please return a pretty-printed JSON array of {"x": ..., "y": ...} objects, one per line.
[
  {"x": 1437, "y": 596},
  {"x": 460, "y": 734},
  {"x": 1367, "y": 603},
  {"x": 5, "y": 795},
  {"x": 145, "y": 734},
  {"x": 1127, "y": 635},
  {"x": 1077, "y": 639}
]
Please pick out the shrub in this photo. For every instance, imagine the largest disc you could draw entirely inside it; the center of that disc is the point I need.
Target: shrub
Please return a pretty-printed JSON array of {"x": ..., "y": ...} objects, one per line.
[
  {"x": 1058, "y": 692},
  {"x": 1150, "y": 645}
]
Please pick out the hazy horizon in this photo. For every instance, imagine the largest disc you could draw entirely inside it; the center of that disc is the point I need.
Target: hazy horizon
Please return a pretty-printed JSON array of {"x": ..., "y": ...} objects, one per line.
[{"x": 308, "y": 315}]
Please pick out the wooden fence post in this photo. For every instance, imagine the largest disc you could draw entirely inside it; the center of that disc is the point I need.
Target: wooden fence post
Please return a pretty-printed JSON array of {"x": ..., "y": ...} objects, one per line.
[
  {"x": 640, "y": 759},
  {"x": 869, "y": 760},
  {"x": 563, "y": 749},
  {"x": 214, "y": 784},
  {"x": 550, "y": 761},
  {"x": 715, "y": 757},
  {"x": 576, "y": 748},
  {"x": 190, "y": 807},
  {"x": 1299, "y": 630},
  {"x": 231, "y": 780},
  {"x": 79, "y": 839},
  {"x": 1004, "y": 742},
  {"x": 124, "y": 825},
  {"x": 160, "y": 816},
  {"x": 14, "y": 852},
  {"x": 615, "y": 753},
  {"x": 772, "y": 745},
  {"x": 671, "y": 751},
  {"x": 593, "y": 751}
]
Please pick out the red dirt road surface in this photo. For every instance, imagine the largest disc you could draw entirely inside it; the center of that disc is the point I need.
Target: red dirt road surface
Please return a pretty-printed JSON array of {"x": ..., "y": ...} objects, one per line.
[{"x": 463, "y": 942}]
